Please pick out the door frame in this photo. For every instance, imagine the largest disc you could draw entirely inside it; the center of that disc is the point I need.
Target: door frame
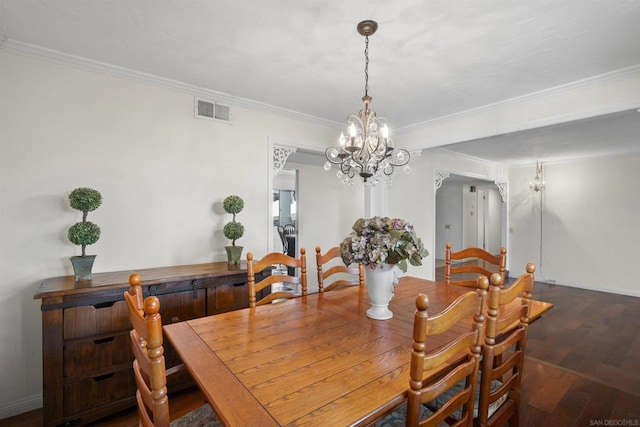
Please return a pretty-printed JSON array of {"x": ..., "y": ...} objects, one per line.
[{"x": 441, "y": 175}]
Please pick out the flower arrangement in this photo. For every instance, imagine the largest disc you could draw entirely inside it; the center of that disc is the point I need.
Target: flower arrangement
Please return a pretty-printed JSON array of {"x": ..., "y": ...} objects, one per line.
[{"x": 377, "y": 241}]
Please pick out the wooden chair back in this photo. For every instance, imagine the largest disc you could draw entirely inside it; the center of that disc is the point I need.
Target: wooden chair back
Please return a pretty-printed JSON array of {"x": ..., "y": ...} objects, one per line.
[
  {"x": 468, "y": 264},
  {"x": 436, "y": 372},
  {"x": 504, "y": 349},
  {"x": 255, "y": 267},
  {"x": 148, "y": 365},
  {"x": 336, "y": 275}
]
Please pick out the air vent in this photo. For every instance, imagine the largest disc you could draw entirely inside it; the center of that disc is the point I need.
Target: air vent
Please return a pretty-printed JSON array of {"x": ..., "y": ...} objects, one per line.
[{"x": 211, "y": 110}]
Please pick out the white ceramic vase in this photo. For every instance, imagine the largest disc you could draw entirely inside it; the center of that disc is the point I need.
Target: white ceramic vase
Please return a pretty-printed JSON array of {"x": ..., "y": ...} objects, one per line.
[{"x": 380, "y": 282}]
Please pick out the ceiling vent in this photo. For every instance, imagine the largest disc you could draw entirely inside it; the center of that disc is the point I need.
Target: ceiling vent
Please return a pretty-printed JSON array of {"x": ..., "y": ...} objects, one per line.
[{"x": 211, "y": 110}]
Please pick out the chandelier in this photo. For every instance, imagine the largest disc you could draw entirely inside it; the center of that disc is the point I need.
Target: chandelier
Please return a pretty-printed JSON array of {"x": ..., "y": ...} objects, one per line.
[
  {"x": 367, "y": 148},
  {"x": 538, "y": 183}
]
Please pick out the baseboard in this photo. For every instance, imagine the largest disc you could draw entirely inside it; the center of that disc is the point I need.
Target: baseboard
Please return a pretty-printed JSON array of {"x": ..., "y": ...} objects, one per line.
[
  {"x": 618, "y": 291},
  {"x": 9, "y": 409}
]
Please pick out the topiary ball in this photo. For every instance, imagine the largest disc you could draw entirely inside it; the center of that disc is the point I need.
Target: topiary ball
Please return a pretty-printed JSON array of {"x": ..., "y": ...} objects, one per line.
[
  {"x": 233, "y": 204},
  {"x": 233, "y": 230},
  {"x": 84, "y": 233},
  {"x": 85, "y": 199}
]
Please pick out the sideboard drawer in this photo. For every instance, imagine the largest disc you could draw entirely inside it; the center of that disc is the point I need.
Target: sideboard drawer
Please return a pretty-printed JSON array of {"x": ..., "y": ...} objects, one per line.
[
  {"x": 88, "y": 320},
  {"x": 230, "y": 297},
  {"x": 93, "y": 392},
  {"x": 181, "y": 306},
  {"x": 85, "y": 356}
]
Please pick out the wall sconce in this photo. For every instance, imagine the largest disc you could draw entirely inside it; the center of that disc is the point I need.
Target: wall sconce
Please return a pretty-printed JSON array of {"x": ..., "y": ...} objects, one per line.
[{"x": 538, "y": 183}]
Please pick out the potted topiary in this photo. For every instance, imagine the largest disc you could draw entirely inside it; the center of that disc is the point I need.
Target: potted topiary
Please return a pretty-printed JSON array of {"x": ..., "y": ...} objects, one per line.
[
  {"x": 233, "y": 230},
  {"x": 84, "y": 233}
]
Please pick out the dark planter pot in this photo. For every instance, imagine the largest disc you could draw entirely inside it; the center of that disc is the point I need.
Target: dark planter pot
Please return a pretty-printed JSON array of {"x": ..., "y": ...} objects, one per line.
[
  {"x": 82, "y": 267},
  {"x": 234, "y": 253}
]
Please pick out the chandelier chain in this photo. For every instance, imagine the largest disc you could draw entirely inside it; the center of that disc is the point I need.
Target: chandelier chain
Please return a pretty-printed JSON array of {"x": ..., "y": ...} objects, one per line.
[{"x": 366, "y": 66}]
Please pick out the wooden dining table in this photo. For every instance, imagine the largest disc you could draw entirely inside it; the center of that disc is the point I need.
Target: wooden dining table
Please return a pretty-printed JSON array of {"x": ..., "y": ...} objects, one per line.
[{"x": 316, "y": 360}]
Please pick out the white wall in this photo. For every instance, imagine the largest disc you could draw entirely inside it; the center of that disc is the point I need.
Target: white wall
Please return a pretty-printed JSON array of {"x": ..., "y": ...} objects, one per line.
[
  {"x": 448, "y": 214},
  {"x": 162, "y": 173},
  {"x": 590, "y": 229}
]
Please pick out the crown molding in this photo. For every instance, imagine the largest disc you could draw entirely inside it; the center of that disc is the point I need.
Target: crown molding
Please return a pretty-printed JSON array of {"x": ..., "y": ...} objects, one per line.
[
  {"x": 73, "y": 61},
  {"x": 623, "y": 73},
  {"x": 445, "y": 150},
  {"x": 59, "y": 58}
]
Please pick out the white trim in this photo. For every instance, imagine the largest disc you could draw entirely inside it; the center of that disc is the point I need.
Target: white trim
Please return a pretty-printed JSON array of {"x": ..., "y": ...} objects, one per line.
[
  {"x": 629, "y": 72},
  {"x": 618, "y": 291},
  {"x": 59, "y": 58},
  {"x": 438, "y": 177},
  {"x": 449, "y": 152},
  {"x": 270, "y": 174},
  {"x": 272, "y": 143},
  {"x": 280, "y": 155},
  {"x": 464, "y": 173},
  {"x": 9, "y": 409}
]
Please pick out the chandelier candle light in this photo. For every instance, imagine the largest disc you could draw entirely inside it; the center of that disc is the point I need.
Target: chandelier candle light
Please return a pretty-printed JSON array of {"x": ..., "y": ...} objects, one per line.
[{"x": 367, "y": 149}]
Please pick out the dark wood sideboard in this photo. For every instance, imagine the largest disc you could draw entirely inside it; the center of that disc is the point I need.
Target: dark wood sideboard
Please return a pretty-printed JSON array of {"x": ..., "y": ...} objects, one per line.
[{"x": 86, "y": 356}]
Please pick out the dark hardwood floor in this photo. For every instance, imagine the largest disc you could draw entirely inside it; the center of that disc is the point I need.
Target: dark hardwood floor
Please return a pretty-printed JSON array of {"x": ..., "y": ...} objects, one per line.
[
  {"x": 583, "y": 363},
  {"x": 582, "y": 366}
]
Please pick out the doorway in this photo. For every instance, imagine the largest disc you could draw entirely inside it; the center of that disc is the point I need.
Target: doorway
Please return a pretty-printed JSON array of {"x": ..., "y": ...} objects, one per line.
[
  {"x": 469, "y": 212},
  {"x": 285, "y": 211}
]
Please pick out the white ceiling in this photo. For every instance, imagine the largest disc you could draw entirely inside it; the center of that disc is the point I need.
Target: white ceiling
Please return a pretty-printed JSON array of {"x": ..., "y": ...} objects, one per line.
[{"x": 427, "y": 59}]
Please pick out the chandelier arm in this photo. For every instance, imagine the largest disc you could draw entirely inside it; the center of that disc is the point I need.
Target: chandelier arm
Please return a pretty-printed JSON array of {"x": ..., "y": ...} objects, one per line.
[
  {"x": 330, "y": 159},
  {"x": 407, "y": 157},
  {"x": 357, "y": 118},
  {"x": 346, "y": 169},
  {"x": 359, "y": 161},
  {"x": 374, "y": 152},
  {"x": 361, "y": 130}
]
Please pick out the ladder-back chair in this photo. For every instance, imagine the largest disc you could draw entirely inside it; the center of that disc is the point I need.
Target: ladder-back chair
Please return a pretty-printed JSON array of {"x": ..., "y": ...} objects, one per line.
[
  {"x": 256, "y": 267},
  {"x": 435, "y": 372},
  {"x": 149, "y": 366},
  {"x": 468, "y": 268},
  {"x": 336, "y": 275},
  {"x": 504, "y": 349}
]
